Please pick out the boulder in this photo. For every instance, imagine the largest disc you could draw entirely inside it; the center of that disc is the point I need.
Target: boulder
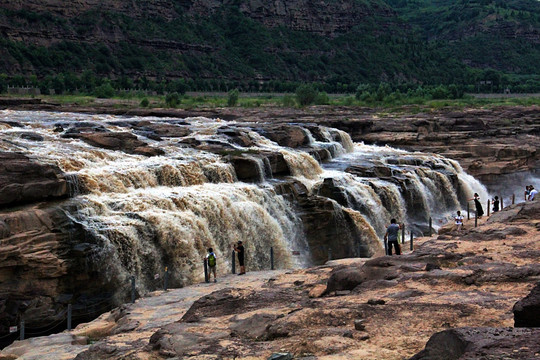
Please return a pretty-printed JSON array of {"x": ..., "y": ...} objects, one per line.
[
  {"x": 329, "y": 189},
  {"x": 285, "y": 135},
  {"x": 527, "y": 310},
  {"x": 247, "y": 169},
  {"x": 521, "y": 211},
  {"x": 31, "y": 136},
  {"x": 253, "y": 327},
  {"x": 161, "y": 129},
  {"x": 236, "y": 136},
  {"x": 481, "y": 343},
  {"x": 277, "y": 163},
  {"x": 345, "y": 279}
]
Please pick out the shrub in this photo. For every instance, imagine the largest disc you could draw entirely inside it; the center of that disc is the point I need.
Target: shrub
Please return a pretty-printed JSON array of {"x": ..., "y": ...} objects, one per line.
[
  {"x": 362, "y": 90},
  {"x": 322, "y": 99},
  {"x": 305, "y": 94},
  {"x": 440, "y": 92},
  {"x": 232, "y": 100},
  {"x": 145, "y": 102},
  {"x": 383, "y": 90},
  {"x": 105, "y": 90},
  {"x": 366, "y": 97},
  {"x": 172, "y": 99}
]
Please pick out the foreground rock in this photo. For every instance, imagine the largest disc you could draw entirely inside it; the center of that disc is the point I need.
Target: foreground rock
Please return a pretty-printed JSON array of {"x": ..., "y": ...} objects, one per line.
[
  {"x": 460, "y": 288},
  {"x": 527, "y": 310},
  {"x": 482, "y": 343}
]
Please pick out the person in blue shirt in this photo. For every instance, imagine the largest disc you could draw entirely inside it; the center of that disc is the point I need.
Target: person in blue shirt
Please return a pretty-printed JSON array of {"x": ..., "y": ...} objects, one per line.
[{"x": 391, "y": 237}]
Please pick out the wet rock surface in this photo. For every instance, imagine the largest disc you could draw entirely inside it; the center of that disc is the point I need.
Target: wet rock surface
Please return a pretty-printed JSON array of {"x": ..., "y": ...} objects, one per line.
[
  {"x": 331, "y": 229},
  {"x": 435, "y": 314},
  {"x": 118, "y": 141}
]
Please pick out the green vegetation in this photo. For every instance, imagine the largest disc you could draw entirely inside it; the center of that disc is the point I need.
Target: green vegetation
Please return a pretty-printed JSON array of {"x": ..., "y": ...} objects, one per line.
[
  {"x": 501, "y": 35},
  {"x": 172, "y": 99},
  {"x": 426, "y": 49},
  {"x": 232, "y": 99},
  {"x": 392, "y": 102},
  {"x": 305, "y": 94}
]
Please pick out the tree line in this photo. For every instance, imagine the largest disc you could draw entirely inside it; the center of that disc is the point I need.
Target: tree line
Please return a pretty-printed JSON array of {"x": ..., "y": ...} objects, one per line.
[{"x": 88, "y": 83}]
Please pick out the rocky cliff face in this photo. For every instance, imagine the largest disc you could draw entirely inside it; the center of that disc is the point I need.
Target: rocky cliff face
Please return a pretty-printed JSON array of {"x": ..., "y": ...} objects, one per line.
[
  {"x": 323, "y": 17},
  {"x": 160, "y": 8}
]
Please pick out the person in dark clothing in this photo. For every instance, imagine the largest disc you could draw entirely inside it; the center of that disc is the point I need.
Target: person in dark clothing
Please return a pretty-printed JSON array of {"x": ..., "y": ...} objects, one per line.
[
  {"x": 479, "y": 209},
  {"x": 239, "y": 248},
  {"x": 496, "y": 204},
  {"x": 391, "y": 237}
]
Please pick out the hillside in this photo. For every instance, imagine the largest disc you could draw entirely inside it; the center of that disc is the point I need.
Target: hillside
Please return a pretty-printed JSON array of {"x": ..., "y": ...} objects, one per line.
[
  {"x": 218, "y": 44},
  {"x": 503, "y": 35}
]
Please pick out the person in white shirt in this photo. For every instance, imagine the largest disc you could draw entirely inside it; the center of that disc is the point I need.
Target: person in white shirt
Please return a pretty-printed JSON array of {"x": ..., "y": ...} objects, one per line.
[
  {"x": 532, "y": 193},
  {"x": 459, "y": 221}
]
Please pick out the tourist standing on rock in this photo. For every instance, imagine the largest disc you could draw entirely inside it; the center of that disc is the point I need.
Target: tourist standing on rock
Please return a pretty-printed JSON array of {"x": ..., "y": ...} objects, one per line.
[
  {"x": 527, "y": 192},
  {"x": 479, "y": 209},
  {"x": 532, "y": 192},
  {"x": 459, "y": 221},
  {"x": 496, "y": 204},
  {"x": 239, "y": 248},
  {"x": 391, "y": 237},
  {"x": 211, "y": 261}
]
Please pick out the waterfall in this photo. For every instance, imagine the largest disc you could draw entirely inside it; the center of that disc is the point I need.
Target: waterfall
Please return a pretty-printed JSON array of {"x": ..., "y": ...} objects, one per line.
[
  {"x": 173, "y": 226},
  {"x": 146, "y": 213}
]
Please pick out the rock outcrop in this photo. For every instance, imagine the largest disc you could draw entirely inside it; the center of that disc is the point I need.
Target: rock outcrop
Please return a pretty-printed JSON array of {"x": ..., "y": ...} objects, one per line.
[
  {"x": 487, "y": 143},
  {"x": 45, "y": 263},
  {"x": 23, "y": 180}
]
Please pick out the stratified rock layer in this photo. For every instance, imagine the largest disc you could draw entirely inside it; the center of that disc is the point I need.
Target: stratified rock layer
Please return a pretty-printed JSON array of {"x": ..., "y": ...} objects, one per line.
[{"x": 23, "y": 180}]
